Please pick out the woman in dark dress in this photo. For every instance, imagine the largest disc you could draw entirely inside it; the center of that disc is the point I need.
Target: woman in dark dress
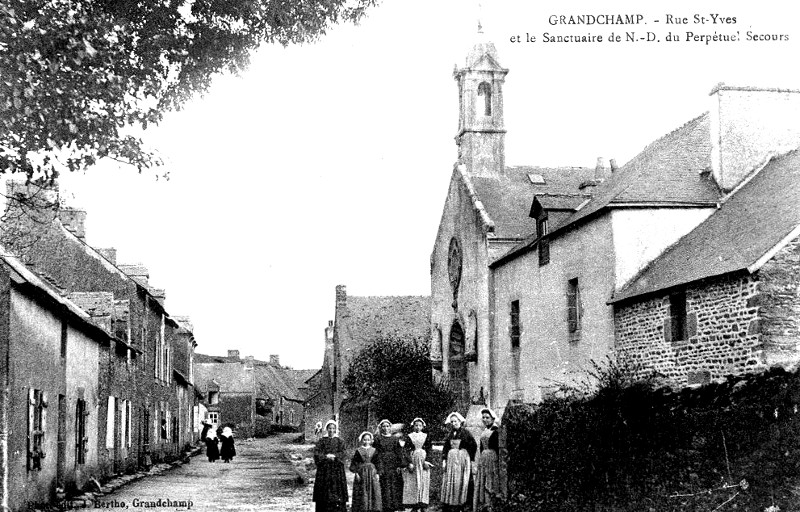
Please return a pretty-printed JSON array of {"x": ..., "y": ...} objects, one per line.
[
  {"x": 388, "y": 460},
  {"x": 487, "y": 477},
  {"x": 330, "y": 484},
  {"x": 366, "y": 488},
  {"x": 458, "y": 453},
  {"x": 228, "y": 450},
  {"x": 212, "y": 448}
]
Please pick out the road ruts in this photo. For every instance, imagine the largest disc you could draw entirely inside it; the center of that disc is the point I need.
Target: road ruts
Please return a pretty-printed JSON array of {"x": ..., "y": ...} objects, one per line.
[{"x": 259, "y": 478}]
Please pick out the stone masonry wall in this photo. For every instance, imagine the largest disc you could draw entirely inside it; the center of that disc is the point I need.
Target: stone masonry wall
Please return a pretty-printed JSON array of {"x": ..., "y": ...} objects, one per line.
[
  {"x": 779, "y": 304},
  {"x": 723, "y": 332}
]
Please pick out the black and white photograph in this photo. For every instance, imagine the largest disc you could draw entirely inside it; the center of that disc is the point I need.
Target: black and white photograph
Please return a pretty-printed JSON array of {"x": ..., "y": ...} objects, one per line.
[{"x": 384, "y": 255}]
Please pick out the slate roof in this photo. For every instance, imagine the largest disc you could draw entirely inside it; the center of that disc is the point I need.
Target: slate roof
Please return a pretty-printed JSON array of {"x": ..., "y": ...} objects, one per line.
[
  {"x": 667, "y": 173},
  {"x": 747, "y": 226},
  {"x": 274, "y": 383},
  {"x": 231, "y": 377},
  {"x": 508, "y": 199},
  {"x": 375, "y": 318},
  {"x": 203, "y": 358}
]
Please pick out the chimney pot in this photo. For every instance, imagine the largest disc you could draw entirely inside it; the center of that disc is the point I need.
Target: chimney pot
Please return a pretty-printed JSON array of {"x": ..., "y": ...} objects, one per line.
[
  {"x": 275, "y": 359},
  {"x": 613, "y": 163}
]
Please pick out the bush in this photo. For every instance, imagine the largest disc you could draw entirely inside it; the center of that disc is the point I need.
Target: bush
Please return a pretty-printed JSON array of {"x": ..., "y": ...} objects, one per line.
[
  {"x": 633, "y": 446},
  {"x": 393, "y": 377}
]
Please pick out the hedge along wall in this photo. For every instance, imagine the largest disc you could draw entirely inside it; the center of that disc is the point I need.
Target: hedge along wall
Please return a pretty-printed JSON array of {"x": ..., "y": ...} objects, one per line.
[{"x": 630, "y": 447}]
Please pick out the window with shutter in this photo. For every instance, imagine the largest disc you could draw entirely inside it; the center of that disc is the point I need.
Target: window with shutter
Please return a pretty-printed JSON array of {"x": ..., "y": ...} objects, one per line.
[
  {"x": 37, "y": 401},
  {"x": 110, "y": 422},
  {"x": 544, "y": 241},
  {"x": 81, "y": 438}
]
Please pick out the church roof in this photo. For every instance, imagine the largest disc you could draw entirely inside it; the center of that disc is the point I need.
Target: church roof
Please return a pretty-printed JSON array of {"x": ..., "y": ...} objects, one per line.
[
  {"x": 746, "y": 227},
  {"x": 508, "y": 199}
]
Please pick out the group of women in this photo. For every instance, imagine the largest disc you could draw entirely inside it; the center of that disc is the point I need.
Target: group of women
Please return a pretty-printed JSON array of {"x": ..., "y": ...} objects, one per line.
[
  {"x": 392, "y": 471},
  {"x": 218, "y": 446}
]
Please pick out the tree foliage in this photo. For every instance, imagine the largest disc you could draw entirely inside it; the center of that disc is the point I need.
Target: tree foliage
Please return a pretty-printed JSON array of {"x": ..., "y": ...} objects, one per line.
[
  {"x": 77, "y": 73},
  {"x": 394, "y": 375}
]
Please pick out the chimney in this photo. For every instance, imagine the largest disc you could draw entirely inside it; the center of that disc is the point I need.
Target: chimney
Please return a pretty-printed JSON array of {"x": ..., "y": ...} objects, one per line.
[
  {"x": 160, "y": 295},
  {"x": 249, "y": 362},
  {"x": 137, "y": 272},
  {"x": 233, "y": 353},
  {"x": 613, "y": 164},
  {"x": 74, "y": 221},
  {"x": 275, "y": 360},
  {"x": 109, "y": 253},
  {"x": 341, "y": 295},
  {"x": 748, "y": 126},
  {"x": 600, "y": 169}
]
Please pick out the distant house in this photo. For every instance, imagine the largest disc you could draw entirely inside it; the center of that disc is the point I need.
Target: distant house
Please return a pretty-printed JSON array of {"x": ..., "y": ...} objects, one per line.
[{"x": 249, "y": 394}]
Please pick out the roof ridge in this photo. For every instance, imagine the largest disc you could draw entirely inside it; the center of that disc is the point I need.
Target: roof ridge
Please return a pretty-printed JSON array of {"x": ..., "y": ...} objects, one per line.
[{"x": 681, "y": 127}]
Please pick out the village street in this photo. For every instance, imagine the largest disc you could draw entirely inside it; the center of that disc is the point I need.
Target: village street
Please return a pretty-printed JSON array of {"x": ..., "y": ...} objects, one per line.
[{"x": 260, "y": 477}]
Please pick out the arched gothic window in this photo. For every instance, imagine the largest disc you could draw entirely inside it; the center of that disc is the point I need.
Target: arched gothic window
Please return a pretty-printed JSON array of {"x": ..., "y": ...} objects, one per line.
[{"x": 485, "y": 90}]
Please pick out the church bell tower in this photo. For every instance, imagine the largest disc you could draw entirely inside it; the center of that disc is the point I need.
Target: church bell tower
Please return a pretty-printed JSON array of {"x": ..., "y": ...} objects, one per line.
[{"x": 481, "y": 133}]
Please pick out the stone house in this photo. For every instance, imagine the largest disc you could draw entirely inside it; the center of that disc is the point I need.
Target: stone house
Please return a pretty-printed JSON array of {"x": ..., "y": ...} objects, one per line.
[
  {"x": 143, "y": 402},
  {"x": 52, "y": 407},
  {"x": 249, "y": 394},
  {"x": 724, "y": 299},
  {"x": 526, "y": 259},
  {"x": 360, "y": 321},
  {"x": 229, "y": 387}
]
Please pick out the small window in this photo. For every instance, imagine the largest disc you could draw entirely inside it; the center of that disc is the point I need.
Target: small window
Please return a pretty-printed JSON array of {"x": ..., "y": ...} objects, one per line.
[
  {"x": 213, "y": 418},
  {"x": 213, "y": 397},
  {"x": 573, "y": 308},
  {"x": 544, "y": 241},
  {"x": 485, "y": 91},
  {"x": 677, "y": 312},
  {"x": 81, "y": 439},
  {"x": 515, "y": 327}
]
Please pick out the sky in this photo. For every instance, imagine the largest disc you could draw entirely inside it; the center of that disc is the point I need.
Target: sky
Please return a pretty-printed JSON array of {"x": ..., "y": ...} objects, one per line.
[{"x": 328, "y": 163}]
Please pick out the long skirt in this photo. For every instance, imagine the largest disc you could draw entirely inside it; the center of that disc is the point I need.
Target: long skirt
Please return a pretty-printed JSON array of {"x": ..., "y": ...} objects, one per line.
[
  {"x": 486, "y": 480},
  {"x": 391, "y": 490},
  {"x": 366, "y": 490},
  {"x": 455, "y": 481},
  {"x": 212, "y": 450},
  {"x": 416, "y": 483},
  {"x": 330, "y": 487}
]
